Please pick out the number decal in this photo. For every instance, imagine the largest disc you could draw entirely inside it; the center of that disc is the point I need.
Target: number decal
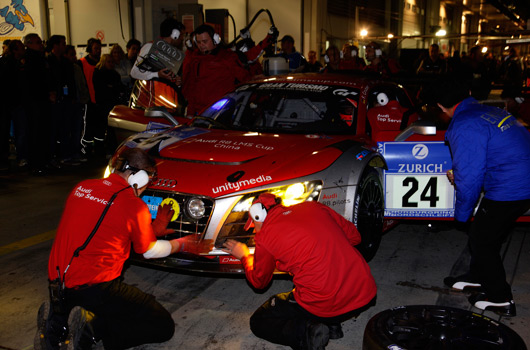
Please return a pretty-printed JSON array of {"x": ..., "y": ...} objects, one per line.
[
  {"x": 429, "y": 193},
  {"x": 410, "y": 181}
]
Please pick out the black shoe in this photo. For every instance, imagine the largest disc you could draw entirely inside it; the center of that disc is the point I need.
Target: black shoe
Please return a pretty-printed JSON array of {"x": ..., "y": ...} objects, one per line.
[
  {"x": 480, "y": 301},
  {"x": 335, "y": 331},
  {"x": 461, "y": 282},
  {"x": 51, "y": 329},
  {"x": 317, "y": 336},
  {"x": 80, "y": 334}
]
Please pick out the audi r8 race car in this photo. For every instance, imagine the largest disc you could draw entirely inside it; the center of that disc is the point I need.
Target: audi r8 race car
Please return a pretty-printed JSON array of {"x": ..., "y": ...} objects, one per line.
[{"x": 353, "y": 143}]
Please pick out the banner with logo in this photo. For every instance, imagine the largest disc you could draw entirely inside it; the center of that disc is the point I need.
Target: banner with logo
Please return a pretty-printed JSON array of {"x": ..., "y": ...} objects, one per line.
[{"x": 18, "y": 18}]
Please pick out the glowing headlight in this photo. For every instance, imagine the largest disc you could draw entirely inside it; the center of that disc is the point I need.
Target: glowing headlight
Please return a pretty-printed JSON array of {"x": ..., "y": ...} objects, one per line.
[
  {"x": 294, "y": 191},
  {"x": 107, "y": 172},
  {"x": 195, "y": 208},
  {"x": 291, "y": 194}
]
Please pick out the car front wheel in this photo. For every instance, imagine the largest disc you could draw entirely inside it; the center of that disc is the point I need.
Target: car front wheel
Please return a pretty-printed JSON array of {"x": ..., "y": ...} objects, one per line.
[{"x": 368, "y": 213}]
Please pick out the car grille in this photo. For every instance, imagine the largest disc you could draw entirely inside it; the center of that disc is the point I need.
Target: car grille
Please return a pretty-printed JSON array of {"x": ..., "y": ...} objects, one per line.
[{"x": 184, "y": 225}]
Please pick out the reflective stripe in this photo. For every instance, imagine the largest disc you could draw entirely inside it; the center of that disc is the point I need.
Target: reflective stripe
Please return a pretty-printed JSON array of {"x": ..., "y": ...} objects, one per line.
[{"x": 502, "y": 121}]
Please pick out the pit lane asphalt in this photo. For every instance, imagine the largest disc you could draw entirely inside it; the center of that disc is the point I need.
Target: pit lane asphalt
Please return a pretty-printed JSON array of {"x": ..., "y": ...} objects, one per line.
[{"x": 211, "y": 312}]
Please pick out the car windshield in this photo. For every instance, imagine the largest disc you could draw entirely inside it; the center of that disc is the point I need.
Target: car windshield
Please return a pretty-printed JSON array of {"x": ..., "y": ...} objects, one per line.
[{"x": 285, "y": 108}]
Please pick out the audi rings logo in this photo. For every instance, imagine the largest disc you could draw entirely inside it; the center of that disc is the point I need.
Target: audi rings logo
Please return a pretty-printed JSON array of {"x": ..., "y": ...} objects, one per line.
[{"x": 167, "y": 183}]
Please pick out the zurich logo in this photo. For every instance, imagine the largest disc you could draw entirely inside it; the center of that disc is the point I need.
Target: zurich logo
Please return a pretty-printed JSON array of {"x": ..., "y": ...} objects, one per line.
[{"x": 420, "y": 151}]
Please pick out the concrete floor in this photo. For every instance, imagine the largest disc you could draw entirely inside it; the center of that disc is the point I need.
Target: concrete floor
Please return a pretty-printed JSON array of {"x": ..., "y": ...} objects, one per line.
[{"x": 212, "y": 313}]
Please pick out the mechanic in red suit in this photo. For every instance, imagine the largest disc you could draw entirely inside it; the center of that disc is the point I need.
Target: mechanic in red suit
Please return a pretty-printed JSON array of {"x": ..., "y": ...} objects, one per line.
[
  {"x": 102, "y": 305},
  {"x": 209, "y": 71},
  {"x": 315, "y": 245}
]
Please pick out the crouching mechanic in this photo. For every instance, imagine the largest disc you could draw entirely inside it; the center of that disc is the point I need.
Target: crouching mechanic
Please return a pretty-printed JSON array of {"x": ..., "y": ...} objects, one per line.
[
  {"x": 316, "y": 246},
  {"x": 102, "y": 305}
]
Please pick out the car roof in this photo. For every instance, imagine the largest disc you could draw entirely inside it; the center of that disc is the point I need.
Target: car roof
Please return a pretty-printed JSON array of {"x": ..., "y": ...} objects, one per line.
[{"x": 353, "y": 79}]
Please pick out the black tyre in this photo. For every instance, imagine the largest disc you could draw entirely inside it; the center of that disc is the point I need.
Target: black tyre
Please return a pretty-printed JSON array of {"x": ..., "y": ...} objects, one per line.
[
  {"x": 368, "y": 213},
  {"x": 431, "y": 327}
]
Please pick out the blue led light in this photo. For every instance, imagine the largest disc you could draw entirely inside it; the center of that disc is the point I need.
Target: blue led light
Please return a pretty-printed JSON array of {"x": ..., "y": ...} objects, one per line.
[{"x": 219, "y": 104}]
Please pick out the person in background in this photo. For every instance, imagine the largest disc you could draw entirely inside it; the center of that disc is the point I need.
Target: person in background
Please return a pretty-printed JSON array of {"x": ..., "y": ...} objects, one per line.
[
  {"x": 121, "y": 65},
  {"x": 434, "y": 63},
  {"x": 210, "y": 71},
  {"x": 62, "y": 107},
  {"x": 332, "y": 281},
  {"x": 13, "y": 102},
  {"x": 109, "y": 92},
  {"x": 172, "y": 32},
  {"x": 490, "y": 150},
  {"x": 39, "y": 90},
  {"x": 512, "y": 72},
  {"x": 133, "y": 48},
  {"x": 378, "y": 63},
  {"x": 296, "y": 60},
  {"x": 92, "y": 139},
  {"x": 5, "y": 45},
  {"x": 80, "y": 101},
  {"x": 332, "y": 59},
  {"x": 475, "y": 73},
  {"x": 312, "y": 64},
  {"x": 350, "y": 58}
]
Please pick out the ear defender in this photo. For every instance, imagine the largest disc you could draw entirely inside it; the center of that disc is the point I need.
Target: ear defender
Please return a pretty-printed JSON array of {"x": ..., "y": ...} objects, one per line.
[
  {"x": 258, "y": 212},
  {"x": 341, "y": 54},
  {"x": 378, "y": 53},
  {"x": 382, "y": 98},
  {"x": 326, "y": 58},
  {"x": 216, "y": 39},
  {"x": 138, "y": 179},
  {"x": 175, "y": 34}
]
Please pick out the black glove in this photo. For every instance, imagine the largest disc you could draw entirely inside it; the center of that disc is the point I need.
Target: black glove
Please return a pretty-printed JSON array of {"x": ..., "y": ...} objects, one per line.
[
  {"x": 274, "y": 31},
  {"x": 244, "y": 33}
]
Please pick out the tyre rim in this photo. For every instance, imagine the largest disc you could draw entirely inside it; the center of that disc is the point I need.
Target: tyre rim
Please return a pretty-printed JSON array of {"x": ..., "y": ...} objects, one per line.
[{"x": 370, "y": 212}]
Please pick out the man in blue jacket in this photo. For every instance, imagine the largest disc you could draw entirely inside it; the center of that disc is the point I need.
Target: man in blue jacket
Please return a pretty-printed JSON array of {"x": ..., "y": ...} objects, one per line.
[{"x": 491, "y": 154}]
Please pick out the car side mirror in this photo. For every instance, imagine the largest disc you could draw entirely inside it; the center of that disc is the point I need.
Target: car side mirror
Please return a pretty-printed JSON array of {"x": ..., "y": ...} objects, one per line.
[
  {"x": 160, "y": 112},
  {"x": 420, "y": 127}
]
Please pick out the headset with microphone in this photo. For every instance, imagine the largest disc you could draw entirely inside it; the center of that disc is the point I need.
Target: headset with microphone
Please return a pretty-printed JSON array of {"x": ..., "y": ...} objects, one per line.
[
  {"x": 138, "y": 178},
  {"x": 215, "y": 38},
  {"x": 258, "y": 212},
  {"x": 175, "y": 34}
]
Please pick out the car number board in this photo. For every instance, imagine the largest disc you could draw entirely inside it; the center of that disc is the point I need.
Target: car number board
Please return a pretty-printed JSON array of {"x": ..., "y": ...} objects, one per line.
[{"x": 415, "y": 183}]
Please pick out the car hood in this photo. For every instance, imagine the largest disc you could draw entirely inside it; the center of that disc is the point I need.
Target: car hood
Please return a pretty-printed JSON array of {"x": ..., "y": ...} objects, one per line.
[{"x": 214, "y": 162}]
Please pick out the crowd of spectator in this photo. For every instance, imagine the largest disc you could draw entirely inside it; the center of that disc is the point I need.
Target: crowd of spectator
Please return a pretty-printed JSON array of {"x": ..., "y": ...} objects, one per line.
[{"x": 55, "y": 106}]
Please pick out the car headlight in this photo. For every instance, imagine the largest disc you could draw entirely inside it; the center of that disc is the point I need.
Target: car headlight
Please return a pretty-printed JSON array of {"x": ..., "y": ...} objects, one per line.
[
  {"x": 292, "y": 194},
  {"x": 107, "y": 172},
  {"x": 195, "y": 208}
]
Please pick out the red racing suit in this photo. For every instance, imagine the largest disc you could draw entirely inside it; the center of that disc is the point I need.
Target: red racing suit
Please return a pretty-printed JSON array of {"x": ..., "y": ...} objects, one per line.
[
  {"x": 127, "y": 221},
  {"x": 314, "y": 244},
  {"x": 206, "y": 78}
]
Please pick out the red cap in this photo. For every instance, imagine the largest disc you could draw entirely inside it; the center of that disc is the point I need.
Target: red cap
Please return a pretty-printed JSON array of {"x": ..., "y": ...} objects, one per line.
[{"x": 268, "y": 200}]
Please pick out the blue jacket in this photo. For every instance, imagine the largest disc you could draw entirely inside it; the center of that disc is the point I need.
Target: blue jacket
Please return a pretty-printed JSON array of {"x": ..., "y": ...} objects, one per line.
[{"x": 491, "y": 153}]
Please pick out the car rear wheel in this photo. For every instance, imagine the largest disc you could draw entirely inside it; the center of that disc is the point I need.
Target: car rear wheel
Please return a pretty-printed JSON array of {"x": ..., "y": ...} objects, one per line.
[
  {"x": 432, "y": 327},
  {"x": 368, "y": 213}
]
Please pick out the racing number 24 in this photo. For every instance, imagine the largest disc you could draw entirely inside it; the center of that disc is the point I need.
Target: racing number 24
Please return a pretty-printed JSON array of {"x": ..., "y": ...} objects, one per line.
[{"x": 428, "y": 194}]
